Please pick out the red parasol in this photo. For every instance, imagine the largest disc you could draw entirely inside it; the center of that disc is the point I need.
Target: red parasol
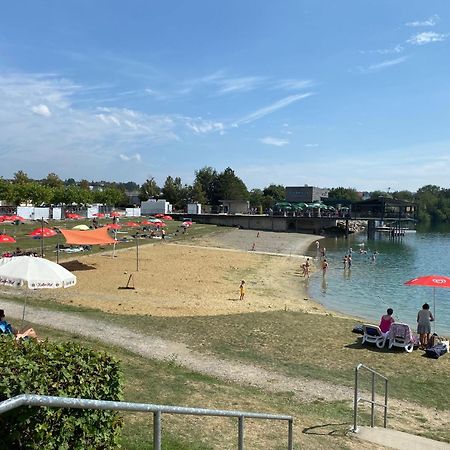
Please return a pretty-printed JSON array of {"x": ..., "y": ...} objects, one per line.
[
  {"x": 43, "y": 232},
  {"x": 434, "y": 281},
  {"x": 159, "y": 224},
  {"x": 5, "y": 239},
  {"x": 115, "y": 214},
  {"x": 73, "y": 216},
  {"x": 99, "y": 215},
  {"x": 132, "y": 224},
  {"x": 146, "y": 222},
  {"x": 113, "y": 226},
  {"x": 167, "y": 217},
  {"x": 159, "y": 215}
]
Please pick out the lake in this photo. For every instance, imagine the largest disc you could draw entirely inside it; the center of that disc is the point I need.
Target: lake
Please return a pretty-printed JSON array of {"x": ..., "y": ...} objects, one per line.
[{"x": 371, "y": 286}]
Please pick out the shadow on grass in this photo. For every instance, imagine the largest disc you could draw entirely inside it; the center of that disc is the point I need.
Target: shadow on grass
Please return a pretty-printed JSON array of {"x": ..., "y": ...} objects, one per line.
[
  {"x": 373, "y": 348},
  {"x": 328, "y": 429}
]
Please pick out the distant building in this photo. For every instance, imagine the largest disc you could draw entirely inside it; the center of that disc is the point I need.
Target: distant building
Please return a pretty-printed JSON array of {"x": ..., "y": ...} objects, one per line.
[
  {"x": 305, "y": 194},
  {"x": 133, "y": 197},
  {"x": 235, "y": 206}
]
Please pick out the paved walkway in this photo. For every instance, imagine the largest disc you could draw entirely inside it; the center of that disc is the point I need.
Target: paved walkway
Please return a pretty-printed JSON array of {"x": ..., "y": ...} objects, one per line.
[{"x": 399, "y": 440}]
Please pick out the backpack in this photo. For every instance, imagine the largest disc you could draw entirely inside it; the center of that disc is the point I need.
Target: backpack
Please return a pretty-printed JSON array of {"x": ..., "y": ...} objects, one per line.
[{"x": 436, "y": 351}]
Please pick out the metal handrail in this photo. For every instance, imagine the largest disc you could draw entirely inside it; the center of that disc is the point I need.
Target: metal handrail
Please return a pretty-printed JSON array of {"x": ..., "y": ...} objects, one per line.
[
  {"x": 157, "y": 410},
  {"x": 373, "y": 403}
]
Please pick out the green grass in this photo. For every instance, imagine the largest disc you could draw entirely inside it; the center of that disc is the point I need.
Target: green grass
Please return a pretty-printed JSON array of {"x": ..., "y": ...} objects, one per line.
[{"x": 167, "y": 383}]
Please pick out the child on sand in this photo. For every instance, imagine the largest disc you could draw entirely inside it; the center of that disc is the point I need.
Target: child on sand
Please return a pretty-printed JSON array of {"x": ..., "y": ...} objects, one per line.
[{"x": 242, "y": 290}]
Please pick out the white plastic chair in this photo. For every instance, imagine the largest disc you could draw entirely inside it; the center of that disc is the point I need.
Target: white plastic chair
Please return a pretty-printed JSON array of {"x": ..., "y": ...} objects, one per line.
[
  {"x": 373, "y": 335},
  {"x": 400, "y": 335}
]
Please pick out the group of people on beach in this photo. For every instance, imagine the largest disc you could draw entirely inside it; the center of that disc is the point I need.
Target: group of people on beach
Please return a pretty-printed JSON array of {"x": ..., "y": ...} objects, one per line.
[{"x": 424, "y": 319}]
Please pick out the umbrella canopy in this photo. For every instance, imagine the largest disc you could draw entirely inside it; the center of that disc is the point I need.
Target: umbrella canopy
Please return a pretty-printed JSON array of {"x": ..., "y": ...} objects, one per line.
[
  {"x": 73, "y": 216},
  {"x": 187, "y": 223},
  {"x": 167, "y": 217},
  {"x": 37, "y": 273},
  {"x": 145, "y": 222},
  {"x": 434, "y": 281},
  {"x": 155, "y": 220},
  {"x": 113, "y": 226},
  {"x": 81, "y": 227},
  {"x": 159, "y": 215},
  {"x": 115, "y": 214},
  {"x": 98, "y": 236},
  {"x": 99, "y": 215},
  {"x": 132, "y": 224},
  {"x": 5, "y": 239},
  {"x": 43, "y": 232},
  {"x": 159, "y": 224}
]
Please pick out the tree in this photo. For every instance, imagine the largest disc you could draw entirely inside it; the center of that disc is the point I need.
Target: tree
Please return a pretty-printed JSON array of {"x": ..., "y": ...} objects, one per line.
[
  {"x": 276, "y": 191},
  {"x": 53, "y": 181},
  {"x": 377, "y": 194},
  {"x": 149, "y": 190},
  {"x": 171, "y": 190},
  {"x": 197, "y": 194},
  {"x": 20, "y": 177},
  {"x": 84, "y": 184},
  {"x": 256, "y": 198},
  {"x": 345, "y": 194},
  {"x": 230, "y": 187},
  {"x": 207, "y": 178}
]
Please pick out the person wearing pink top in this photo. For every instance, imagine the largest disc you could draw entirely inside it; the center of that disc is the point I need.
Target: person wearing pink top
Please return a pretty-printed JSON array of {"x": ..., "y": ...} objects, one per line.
[{"x": 386, "y": 321}]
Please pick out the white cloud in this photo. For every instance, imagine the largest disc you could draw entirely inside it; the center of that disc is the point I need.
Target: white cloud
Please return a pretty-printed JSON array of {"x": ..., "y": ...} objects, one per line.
[
  {"x": 430, "y": 22},
  {"x": 427, "y": 37},
  {"x": 41, "y": 110},
  {"x": 311, "y": 145},
  {"x": 136, "y": 157},
  {"x": 295, "y": 84},
  {"x": 395, "y": 49},
  {"x": 383, "y": 65},
  {"x": 200, "y": 126},
  {"x": 274, "y": 141},
  {"x": 258, "y": 114}
]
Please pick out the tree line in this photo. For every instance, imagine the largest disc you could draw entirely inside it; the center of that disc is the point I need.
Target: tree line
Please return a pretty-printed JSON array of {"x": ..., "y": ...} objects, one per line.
[{"x": 209, "y": 187}]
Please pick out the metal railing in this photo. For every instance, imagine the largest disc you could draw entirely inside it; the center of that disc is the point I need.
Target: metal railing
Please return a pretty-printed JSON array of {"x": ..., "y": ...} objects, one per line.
[
  {"x": 157, "y": 410},
  {"x": 372, "y": 402}
]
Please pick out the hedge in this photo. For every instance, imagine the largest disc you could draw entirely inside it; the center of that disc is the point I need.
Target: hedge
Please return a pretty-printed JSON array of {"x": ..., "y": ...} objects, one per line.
[{"x": 60, "y": 369}]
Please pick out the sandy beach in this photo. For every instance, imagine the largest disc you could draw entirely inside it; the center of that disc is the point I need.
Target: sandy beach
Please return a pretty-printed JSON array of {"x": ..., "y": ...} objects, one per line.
[{"x": 198, "y": 279}]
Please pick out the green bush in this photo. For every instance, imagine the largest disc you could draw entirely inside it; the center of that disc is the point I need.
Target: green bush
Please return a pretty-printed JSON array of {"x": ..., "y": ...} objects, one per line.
[{"x": 60, "y": 369}]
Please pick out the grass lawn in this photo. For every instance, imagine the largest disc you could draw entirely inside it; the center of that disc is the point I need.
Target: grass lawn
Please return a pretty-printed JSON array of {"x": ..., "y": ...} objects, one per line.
[{"x": 320, "y": 425}]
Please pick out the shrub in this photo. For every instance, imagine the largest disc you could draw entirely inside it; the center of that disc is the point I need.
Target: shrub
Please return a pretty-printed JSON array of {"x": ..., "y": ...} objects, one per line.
[{"x": 60, "y": 369}]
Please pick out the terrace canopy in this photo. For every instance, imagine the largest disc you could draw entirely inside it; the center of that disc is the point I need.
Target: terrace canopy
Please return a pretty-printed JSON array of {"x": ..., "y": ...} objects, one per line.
[{"x": 99, "y": 236}]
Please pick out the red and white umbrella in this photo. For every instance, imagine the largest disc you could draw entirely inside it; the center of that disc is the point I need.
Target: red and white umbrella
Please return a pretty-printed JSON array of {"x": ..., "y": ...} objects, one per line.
[
  {"x": 43, "y": 233},
  {"x": 5, "y": 239},
  {"x": 434, "y": 281},
  {"x": 187, "y": 223}
]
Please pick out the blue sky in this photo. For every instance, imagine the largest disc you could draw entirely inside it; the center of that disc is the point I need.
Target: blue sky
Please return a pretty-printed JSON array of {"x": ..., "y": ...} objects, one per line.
[{"x": 329, "y": 93}]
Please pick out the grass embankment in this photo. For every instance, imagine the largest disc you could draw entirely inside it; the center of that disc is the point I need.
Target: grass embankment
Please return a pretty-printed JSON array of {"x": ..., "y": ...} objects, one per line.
[
  {"x": 320, "y": 425},
  {"x": 174, "y": 232}
]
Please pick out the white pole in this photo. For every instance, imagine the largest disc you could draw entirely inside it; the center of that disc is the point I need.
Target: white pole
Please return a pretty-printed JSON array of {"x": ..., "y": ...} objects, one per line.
[{"x": 434, "y": 309}]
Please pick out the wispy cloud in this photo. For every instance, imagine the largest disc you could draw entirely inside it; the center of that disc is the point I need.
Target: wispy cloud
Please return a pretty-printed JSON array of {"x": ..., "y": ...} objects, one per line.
[
  {"x": 201, "y": 126},
  {"x": 394, "y": 49},
  {"x": 427, "y": 37},
  {"x": 430, "y": 22},
  {"x": 383, "y": 65},
  {"x": 258, "y": 114},
  {"x": 311, "y": 145},
  {"x": 135, "y": 157},
  {"x": 294, "y": 85},
  {"x": 274, "y": 141}
]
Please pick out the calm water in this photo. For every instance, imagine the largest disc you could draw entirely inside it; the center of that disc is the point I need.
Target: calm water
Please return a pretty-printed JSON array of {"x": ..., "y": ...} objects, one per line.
[{"x": 370, "y": 287}]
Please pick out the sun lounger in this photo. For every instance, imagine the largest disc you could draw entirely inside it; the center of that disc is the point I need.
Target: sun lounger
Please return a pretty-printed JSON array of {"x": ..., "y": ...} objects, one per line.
[
  {"x": 400, "y": 335},
  {"x": 373, "y": 335}
]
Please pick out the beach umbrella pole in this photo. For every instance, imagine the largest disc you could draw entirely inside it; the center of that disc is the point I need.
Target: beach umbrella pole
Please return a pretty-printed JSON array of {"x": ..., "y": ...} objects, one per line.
[
  {"x": 23, "y": 312},
  {"x": 434, "y": 310},
  {"x": 137, "y": 252}
]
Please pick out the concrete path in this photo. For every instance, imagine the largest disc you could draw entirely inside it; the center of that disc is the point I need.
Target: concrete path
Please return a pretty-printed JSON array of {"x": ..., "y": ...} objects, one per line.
[{"x": 399, "y": 440}]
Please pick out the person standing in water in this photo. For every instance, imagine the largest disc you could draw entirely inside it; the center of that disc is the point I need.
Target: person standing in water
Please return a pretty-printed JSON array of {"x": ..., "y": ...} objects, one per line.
[{"x": 324, "y": 267}]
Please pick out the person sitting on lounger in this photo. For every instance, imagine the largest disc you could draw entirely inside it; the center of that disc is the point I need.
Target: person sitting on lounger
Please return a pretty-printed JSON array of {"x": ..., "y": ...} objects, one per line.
[
  {"x": 7, "y": 328},
  {"x": 386, "y": 321}
]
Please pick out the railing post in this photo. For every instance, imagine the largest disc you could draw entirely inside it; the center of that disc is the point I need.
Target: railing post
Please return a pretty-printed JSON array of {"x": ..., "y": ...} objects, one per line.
[
  {"x": 241, "y": 433},
  {"x": 372, "y": 412},
  {"x": 290, "y": 435},
  {"x": 355, "y": 403},
  {"x": 385, "y": 403},
  {"x": 157, "y": 430}
]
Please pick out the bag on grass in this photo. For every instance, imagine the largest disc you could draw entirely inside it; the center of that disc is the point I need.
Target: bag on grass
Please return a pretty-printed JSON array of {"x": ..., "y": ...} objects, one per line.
[
  {"x": 436, "y": 351},
  {"x": 358, "y": 329}
]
